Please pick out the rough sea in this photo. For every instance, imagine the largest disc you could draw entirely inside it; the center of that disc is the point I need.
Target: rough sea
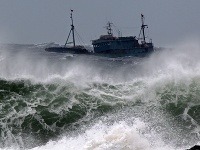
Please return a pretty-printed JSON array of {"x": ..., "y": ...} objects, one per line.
[{"x": 52, "y": 101}]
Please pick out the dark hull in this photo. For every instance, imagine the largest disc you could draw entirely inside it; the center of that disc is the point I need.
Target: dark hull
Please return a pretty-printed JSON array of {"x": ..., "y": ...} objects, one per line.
[
  {"x": 72, "y": 50},
  {"x": 136, "y": 52}
]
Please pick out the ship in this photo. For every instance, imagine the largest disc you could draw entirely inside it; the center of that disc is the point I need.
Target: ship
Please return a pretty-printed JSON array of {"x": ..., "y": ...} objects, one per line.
[
  {"x": 109, "y": 45},
  {"x": 74, "y": 49}
]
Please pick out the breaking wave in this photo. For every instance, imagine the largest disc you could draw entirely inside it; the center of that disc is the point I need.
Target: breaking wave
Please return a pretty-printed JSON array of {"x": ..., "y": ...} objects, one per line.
[{"x": 49, "y": 101}]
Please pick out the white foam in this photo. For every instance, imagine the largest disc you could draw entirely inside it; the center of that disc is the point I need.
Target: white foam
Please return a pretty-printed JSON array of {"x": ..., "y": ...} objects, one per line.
[
  {"x": 119, "y": 136},
  {"x": 171, "y": 65}
]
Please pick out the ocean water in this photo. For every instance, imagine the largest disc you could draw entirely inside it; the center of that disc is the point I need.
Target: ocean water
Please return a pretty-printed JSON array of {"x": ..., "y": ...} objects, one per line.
[{"x": 79, "y": 102}]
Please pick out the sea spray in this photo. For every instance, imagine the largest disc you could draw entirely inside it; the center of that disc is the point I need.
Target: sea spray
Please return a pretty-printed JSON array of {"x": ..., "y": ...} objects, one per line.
[{"x": 51, "y": 102}]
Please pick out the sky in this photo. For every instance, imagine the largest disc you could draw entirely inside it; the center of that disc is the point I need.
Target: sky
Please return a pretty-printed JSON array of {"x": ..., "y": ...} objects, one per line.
[{"x": 43, "y": 21}]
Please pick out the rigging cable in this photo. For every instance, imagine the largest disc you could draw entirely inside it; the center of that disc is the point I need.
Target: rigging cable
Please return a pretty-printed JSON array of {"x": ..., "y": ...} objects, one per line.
[{"x": 80, "y": 39}]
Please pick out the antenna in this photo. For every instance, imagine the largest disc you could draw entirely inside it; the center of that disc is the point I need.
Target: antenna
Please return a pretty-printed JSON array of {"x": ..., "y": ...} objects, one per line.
[{"x": 71, "y": 30}]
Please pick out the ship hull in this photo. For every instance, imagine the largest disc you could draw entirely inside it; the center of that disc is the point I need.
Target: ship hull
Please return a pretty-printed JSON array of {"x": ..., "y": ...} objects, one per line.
[
  {"x": 72, "y": 50},
  {"x": 136, "y": 52}
]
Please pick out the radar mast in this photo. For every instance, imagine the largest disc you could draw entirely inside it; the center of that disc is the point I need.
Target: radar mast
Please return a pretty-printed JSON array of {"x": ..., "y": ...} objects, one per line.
[
  {"x": 109, "y": 28},
  {"x": 143, "y": 26}
]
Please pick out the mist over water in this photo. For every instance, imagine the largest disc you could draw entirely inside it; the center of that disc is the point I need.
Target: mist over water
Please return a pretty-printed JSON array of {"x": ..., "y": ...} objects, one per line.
[{"x": 64, "y": 101}]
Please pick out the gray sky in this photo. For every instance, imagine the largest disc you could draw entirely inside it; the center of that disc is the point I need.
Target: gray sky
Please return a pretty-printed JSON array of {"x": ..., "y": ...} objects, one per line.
[{"x": 40, "y": 21}]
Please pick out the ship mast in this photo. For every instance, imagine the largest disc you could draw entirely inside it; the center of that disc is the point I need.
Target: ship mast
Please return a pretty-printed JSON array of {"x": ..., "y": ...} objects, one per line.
[
  {"x": 71, "y": 30},
  {"x": 143, "y": 28}
]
